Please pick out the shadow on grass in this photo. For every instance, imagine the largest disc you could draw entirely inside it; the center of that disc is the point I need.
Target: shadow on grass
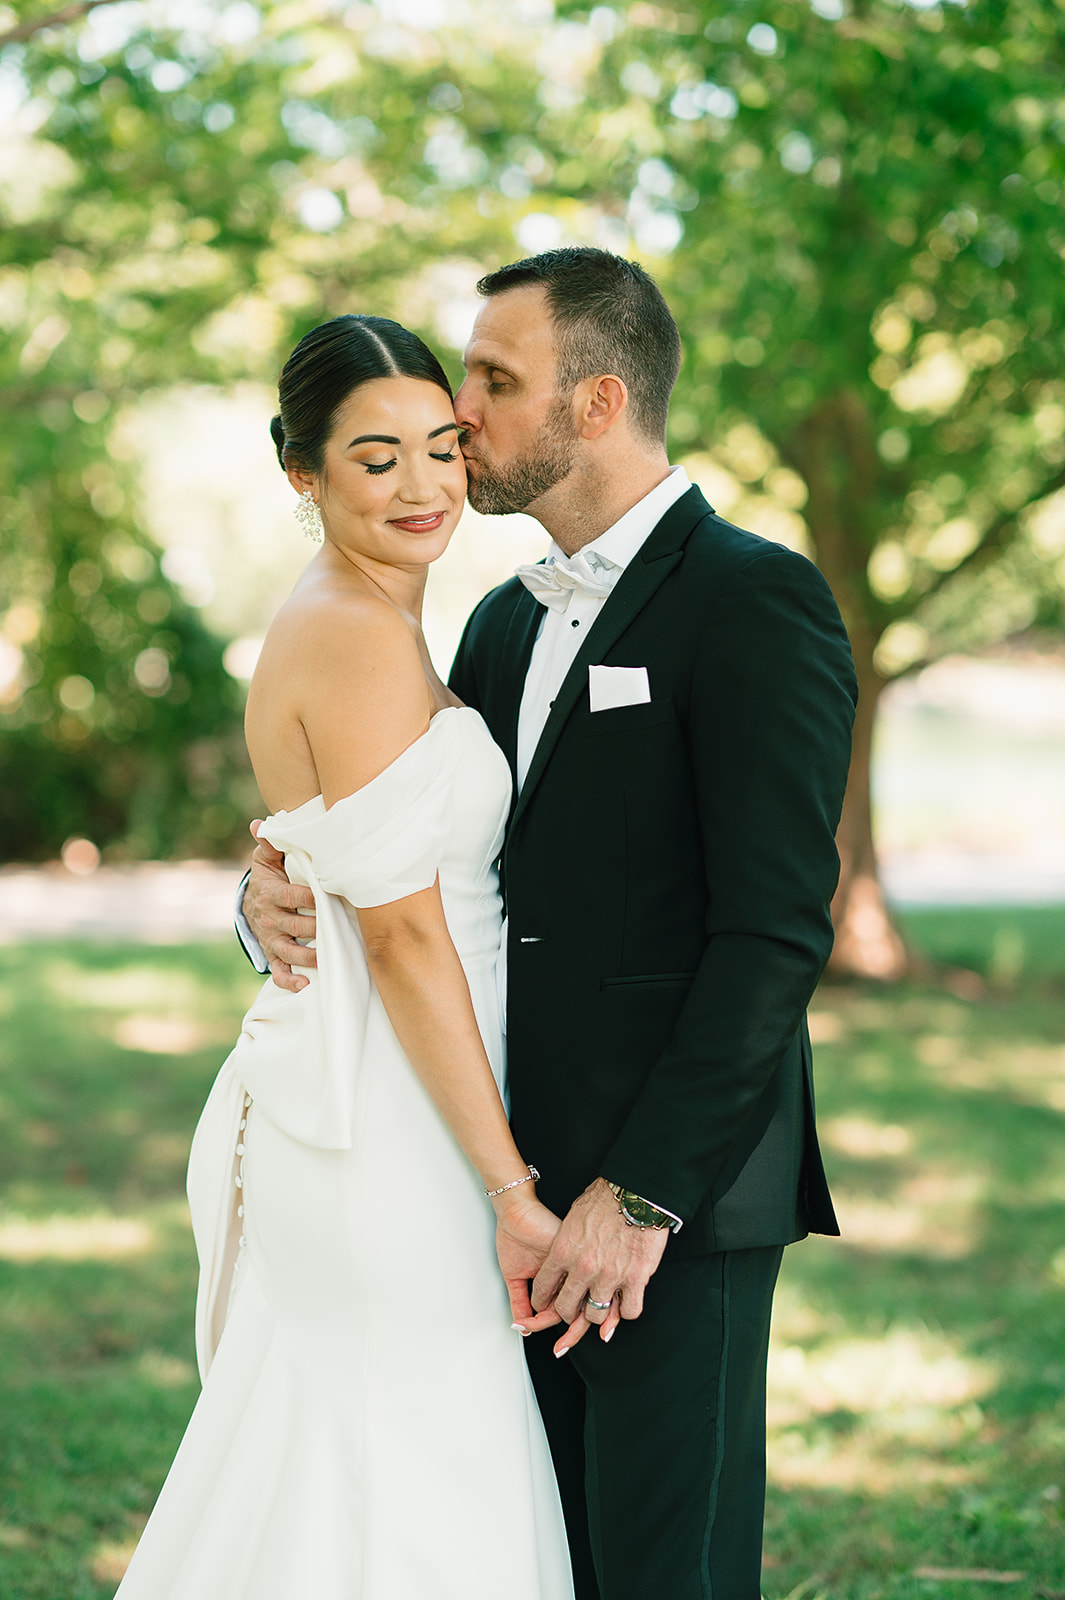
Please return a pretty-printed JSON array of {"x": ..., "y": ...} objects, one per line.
[
  {"x": 106, "y": 1056},
  {"x": 916, "y": 1399}
]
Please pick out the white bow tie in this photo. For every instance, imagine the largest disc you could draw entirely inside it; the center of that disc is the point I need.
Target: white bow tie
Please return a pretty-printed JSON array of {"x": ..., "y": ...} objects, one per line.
[{"x": 553, "y": 582}]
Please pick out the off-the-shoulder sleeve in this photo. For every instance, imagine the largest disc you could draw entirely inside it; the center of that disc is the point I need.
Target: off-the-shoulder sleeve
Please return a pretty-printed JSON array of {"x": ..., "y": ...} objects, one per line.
[{"x": 385, "y": 841}]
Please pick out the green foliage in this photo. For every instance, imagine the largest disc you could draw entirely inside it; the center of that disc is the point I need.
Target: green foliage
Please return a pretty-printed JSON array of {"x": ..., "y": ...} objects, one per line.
[
  {"x": 916, "y": 1413},
  {"x": 855, "y": 211},
  {"x": 871, "y": 269},
  {"x": 168, "y": 216},
  {"x": 123, "y": 724}
]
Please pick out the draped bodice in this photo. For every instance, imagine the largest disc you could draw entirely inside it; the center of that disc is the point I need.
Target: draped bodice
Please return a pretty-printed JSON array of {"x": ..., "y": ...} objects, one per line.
[
  {"x": 438, "y": 811},
  {"x": 439, "y": 808}
]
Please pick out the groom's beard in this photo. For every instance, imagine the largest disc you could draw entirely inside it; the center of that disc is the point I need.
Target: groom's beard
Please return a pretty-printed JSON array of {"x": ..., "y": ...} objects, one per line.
[{"x": 497, "y": 491}]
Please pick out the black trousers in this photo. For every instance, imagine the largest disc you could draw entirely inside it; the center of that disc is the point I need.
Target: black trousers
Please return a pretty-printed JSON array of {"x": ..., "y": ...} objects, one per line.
[{"x": 658, "y": 1438}]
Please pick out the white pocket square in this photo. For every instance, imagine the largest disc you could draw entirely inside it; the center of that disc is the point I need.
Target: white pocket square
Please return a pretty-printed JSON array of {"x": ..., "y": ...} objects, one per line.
[{"x": 617, "y": 686}]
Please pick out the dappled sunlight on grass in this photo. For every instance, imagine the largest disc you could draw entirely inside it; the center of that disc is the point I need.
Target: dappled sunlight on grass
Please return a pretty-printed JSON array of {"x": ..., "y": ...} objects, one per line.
[
  {"x": 109, "y": 1560},
  {"x": 917, "y": 1377},
  {"x": 96, "y": 1238},
  {"x": 873, "y": 1413},
  {"x": 933, "y": 1213},
  {"x": 859, "y": 1136},
  {"x": 917, "y": 1380},
  {"x": 97, "y": 1267},
  {"x": 166, "y": 1036},
  {"x": 166, "y": 1371},
  {"x": 104, "y": 978},
  {"x": 131, "y": 985}
]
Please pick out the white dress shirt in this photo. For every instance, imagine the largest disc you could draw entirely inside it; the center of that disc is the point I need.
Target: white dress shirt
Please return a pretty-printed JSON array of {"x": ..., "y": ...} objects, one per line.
[{"x": 563, "y": 632}]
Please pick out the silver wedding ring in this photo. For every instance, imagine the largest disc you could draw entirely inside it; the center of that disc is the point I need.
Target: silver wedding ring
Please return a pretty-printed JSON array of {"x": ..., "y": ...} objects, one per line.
[{"x": 600, "y": 1305}]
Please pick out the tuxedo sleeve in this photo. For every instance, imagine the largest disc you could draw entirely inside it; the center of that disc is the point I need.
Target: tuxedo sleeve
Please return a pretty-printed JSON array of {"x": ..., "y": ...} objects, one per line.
[
  {"x": 245, "y": 938},
  {"x": 770, "y": 711}
]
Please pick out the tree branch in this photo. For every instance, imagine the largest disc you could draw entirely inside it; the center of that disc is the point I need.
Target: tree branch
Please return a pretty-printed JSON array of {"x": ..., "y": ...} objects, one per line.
[
  {"x": 996, "y": 537},
  {"x": 51, "y": 19}
]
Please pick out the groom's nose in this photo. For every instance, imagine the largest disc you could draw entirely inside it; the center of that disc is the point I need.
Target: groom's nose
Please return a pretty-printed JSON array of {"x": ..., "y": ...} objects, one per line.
[{"x": 466, "y": 415}]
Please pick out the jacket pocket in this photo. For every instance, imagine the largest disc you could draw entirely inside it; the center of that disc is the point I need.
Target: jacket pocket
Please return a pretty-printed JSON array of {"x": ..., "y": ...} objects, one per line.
[{"x": 648, "y": 980}]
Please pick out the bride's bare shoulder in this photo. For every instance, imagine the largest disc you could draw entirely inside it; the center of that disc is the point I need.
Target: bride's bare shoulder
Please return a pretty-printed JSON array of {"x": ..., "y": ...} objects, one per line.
[
  {"x": 339, "y": 684},
  {"x": 321, "y": 630}
]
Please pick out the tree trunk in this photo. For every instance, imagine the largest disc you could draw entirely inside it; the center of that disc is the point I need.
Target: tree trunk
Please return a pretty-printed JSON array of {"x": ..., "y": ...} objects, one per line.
[
  {"x": 835, "y": 452},
  {"x": 868, "y": 944}
]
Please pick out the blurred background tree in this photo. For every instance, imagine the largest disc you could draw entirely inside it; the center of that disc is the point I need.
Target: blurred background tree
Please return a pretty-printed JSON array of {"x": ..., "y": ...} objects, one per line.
[{"x": 854, "y": 210}]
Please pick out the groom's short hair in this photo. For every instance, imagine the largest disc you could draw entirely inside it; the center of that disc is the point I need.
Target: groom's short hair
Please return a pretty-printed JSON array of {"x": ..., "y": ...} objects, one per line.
[{"x": 609, "y": 317}]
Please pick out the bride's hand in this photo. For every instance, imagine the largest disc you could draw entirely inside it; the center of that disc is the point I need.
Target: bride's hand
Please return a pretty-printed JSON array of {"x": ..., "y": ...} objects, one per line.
[{"x": 525, "y": 1232}]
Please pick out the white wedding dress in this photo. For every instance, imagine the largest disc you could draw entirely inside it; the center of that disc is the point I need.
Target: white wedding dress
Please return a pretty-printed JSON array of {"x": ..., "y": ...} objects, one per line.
[{"x": 366, "y": 1430}]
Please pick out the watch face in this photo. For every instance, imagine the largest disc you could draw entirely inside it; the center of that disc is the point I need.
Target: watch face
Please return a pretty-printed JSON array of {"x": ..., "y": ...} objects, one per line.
[{"x": 640, "y": 1211}]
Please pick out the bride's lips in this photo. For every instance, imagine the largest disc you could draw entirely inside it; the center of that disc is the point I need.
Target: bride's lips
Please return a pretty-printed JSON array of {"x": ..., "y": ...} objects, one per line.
[{"x": 427, "y": 524}]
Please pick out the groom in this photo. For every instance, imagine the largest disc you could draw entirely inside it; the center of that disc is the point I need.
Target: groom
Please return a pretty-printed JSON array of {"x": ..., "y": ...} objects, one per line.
[{"x": 675, "y": 698}]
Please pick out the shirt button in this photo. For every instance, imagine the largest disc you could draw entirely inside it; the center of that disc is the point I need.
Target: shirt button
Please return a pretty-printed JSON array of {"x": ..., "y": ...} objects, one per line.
[{"x": 574, "y": 623}]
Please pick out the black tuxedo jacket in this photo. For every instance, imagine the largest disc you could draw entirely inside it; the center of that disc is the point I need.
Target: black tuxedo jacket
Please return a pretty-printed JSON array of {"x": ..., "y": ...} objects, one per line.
[{"x": 668, "y": 869}]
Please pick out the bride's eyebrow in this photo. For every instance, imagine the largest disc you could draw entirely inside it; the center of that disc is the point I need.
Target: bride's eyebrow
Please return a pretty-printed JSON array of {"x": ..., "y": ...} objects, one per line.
[{"x": 388, "y": 438}]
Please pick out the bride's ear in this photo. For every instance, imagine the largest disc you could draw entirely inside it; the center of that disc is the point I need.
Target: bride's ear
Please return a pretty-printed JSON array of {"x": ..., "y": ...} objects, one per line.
[{"x": 300, "y": 480}]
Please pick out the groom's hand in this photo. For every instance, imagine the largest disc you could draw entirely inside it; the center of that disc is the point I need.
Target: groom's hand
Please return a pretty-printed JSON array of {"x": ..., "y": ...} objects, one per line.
[
  {"x": 596, "y": 1255},
  {"x": 272, "y": 909}
]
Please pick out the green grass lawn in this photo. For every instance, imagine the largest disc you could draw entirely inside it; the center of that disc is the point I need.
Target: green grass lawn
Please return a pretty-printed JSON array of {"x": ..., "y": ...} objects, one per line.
[{"x": 917, "y": 1393}]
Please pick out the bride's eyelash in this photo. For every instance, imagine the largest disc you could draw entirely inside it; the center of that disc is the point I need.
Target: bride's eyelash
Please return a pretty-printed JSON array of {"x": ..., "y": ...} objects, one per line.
[{"x": 386, "y": 466}]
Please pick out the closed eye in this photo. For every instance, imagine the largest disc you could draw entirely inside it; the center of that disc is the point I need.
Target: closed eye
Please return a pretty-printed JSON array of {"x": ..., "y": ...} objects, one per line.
[
  {"x": 385, "y": 466},
  {"x": 449, "y": 457}
]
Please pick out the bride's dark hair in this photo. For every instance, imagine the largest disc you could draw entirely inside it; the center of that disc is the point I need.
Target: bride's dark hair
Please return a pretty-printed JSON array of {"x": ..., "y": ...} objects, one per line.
[{"x": 327, "y": 365}]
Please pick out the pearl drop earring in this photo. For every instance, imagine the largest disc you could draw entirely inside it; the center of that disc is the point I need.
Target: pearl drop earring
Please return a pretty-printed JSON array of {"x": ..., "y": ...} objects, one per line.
[{"x": 309, "y": 517}]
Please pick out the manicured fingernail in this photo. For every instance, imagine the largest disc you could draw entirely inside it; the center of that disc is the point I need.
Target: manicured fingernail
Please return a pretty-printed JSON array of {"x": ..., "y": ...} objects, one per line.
[
  {"x": 609, "y": 1335},
  {"x": 560, "y": 1353},
  {"x": 516, "y": 1327}
]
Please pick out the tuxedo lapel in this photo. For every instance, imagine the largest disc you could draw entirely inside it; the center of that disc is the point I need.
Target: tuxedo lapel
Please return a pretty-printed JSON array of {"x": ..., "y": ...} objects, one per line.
[
  {"x": 518, "y": 641},
  {"x": 643, "y": 576}
]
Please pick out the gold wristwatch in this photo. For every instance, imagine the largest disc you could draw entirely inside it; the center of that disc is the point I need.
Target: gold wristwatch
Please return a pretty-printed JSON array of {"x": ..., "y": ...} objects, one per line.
[{"x": 640, "y": 1213}]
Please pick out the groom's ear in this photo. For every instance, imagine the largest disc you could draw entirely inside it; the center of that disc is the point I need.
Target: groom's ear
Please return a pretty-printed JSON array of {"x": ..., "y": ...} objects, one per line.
[{"x": 599, "y": 403}]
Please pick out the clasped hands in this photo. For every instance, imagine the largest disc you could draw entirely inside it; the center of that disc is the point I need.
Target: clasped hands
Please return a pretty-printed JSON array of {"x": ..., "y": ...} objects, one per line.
[
  {"x": 595, "y": 1256},
  {"x": 592, "y": 1255}
]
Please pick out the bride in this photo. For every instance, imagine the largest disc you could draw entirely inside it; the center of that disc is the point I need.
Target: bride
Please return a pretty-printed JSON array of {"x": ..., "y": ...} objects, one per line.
[{"x": 366, "y": 1429}]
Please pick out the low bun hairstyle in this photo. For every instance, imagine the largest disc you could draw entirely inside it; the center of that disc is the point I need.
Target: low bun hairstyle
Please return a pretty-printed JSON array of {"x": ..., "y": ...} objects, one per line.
[{"x": 327, "y": 365}]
